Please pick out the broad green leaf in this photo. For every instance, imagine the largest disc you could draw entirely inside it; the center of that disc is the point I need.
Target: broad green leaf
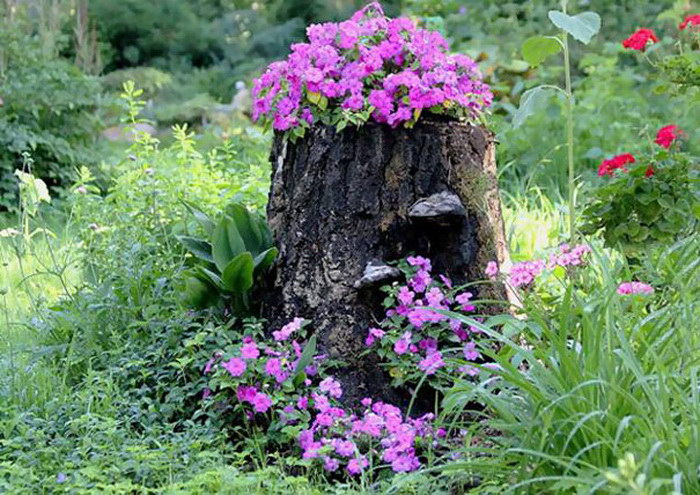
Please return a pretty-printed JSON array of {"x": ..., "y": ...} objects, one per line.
[
  {"x": 200, "y": 248},
  {"x": 263, "y": 261},
  {"x": 536, "y": 49},
  {"x": 247, "y": 227},
  {"x": 530, "y": 102},
  {"x": 209, "y": 276},
  {"x": 581, "y": 26},
  {"x": 238, "y": 274},
  {"x": 227, "y": 242},
  {"x": 264, "y": 229},
  {"x": 201, "y": 217},
  {"x": 306, "y": 357},
  {"x": 198, "y": 293}
]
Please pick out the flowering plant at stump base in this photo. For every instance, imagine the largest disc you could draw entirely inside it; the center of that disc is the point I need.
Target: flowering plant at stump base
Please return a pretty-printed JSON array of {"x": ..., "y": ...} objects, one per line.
[
  {"x": 417, "y": 341},
  {"x": 369, "y": 67},
  {"x": 277, "y": 393},
  {"x": 653, "y": 199}
]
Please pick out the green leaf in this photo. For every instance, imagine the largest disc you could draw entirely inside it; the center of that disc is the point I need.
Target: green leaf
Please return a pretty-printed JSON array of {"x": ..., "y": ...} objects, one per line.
[
  {"x": 247, "y": 227},
  {"x": 530, "y": 102},
  {"x": 209, "y": 276},
  {"x": 201, "y": 217},
  {"x": 536, "y": 49},
  {"x": 264, "y": 260},
  {"x": 227, "y": 242},
  {"x": 199, "y": 247},
  {"x": 581, "y": 26},
  {"x": 306, "y": 357},
  {"x": 198, "y": 293},
  {"x": 238, "y": 274}
]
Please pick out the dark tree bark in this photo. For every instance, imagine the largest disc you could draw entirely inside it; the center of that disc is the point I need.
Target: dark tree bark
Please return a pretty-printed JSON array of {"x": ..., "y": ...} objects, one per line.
[{"x": 370, "y": 195}]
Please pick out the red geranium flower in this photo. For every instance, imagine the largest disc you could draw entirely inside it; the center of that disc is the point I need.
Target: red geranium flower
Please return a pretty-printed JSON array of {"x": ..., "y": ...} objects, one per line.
[
  {"x": 607, "y": 167},
  {"x": 667, "y": 135},
  {"x": 640, "y": 39},
  {"x": 691, "y": 20},
  {"x": 649, "y": 172}
]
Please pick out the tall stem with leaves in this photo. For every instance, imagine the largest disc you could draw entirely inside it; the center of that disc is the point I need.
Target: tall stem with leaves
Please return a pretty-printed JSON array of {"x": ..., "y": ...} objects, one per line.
[{"x": 535, "y": 50}]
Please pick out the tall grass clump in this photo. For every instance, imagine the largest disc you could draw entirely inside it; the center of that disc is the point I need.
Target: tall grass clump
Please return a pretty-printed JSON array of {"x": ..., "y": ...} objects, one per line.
[{"x": 596, "y": 392}]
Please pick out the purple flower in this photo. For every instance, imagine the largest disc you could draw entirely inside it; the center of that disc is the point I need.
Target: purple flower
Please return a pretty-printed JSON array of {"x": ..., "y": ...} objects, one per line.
[
  {"x": 357, "y": 465},
  {"x": 330, "y": 464},
  {"x": 470, "y": 352},
  {"x": 250, "y": 350},
  {"x": 344, "y": 448},
  {"x": 287, "y": 330},
  {"x": 331, "y": 387},
  {"x": 431, "y": 363},
  {"x": 261, "y": 402},
  {"x": 629, "y": 288},
  {"x": 246, "y": 394},
  {"x": 491, "y": 270},
  {"x": 235, "y": 366},
  {"x": 401, "y": 345},
  {"x": 463, "y": 300}
]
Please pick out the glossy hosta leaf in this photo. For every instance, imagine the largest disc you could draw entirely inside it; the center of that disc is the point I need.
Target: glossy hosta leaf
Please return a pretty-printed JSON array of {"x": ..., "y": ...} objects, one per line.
[
  {"x": 198, "y": 293},
  {"x": 227, "y": 242},
  {"x": 581, "y": 26},
  {"x": 536, "y": 49},
  {"x": 237, "y": 276},
  {"x": 263, "y": 261},
  {"x": 247, "y": 227},
  {"x": 201, "y": 217},
  {"x": 530, "y": 102},
  {"x": 200, "y": 248}
]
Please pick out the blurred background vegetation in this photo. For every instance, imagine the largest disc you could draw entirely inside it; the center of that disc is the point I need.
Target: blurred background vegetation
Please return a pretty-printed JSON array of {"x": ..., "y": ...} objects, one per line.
[{"x": 63, "y": 63}]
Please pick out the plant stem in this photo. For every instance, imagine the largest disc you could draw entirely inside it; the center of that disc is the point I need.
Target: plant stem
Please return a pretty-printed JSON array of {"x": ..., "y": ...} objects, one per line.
[{"x": 569, "y": 133}]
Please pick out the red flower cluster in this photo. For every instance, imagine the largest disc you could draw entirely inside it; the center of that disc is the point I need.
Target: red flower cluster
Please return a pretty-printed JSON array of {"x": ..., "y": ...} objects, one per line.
[
  {"x": 640, "y": 39},
  {"x": 691, "y": 20},
  {"x": 667, "y": 135},
  {"x": 607, "y": 167}
]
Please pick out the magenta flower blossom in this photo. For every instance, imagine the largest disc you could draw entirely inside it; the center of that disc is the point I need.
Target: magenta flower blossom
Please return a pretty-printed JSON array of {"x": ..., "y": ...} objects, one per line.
[
  {"x": 374, "y": 334},
  {"x": 470, "y": 351},
  {"x": 432, "y": 363},
  {"x": 356, "y": 466},
  {"x": 629, "y": 288},
  {"x": 340, "y": 67},
  {"x": 245, "y": 393},
  {"x": 235, "y": 366},
  {"x": 419, "y": 261},
  {"x": 524, "y": 274},
  {"x": 463, "y": 300},
  {"x": 331, "y": 387},
  {"x": 330, "y": 464},
  {"x": 261, "y": 402},
  {"x": 491, "y": 270},
  {"x": 287, "y": 330},
  {"x": 401, "y": 345},
  {"x": 250, "y": 350}
]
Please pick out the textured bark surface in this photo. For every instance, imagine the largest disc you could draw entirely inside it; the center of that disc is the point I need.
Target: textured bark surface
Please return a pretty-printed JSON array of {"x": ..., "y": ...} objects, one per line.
[{"x": 339, "y": 201}]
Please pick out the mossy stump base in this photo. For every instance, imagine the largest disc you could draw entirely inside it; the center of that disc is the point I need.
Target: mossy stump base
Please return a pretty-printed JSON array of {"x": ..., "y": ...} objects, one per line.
[{"x": 367, "y": 196}]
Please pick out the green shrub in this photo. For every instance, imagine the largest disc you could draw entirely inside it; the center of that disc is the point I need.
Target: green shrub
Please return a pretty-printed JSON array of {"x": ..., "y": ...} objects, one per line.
[{"x": 49, "y": 110}]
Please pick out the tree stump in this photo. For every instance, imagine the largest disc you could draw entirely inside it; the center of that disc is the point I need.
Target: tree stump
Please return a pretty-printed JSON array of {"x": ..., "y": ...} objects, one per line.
[{"x": 344, "y": 204}]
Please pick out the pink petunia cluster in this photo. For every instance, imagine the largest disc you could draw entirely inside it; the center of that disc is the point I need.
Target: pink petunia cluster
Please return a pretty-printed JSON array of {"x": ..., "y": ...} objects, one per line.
[
  {"x": 524, "y": 274},
  {"x": 339, "y": 439},
  {"x": 631, "y": 288},
  {"x": 389, "y": 68}
]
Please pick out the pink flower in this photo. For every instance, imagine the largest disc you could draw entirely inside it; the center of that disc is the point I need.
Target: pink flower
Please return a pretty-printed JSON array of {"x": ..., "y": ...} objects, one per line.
[
  {"x": 331, "y": 387},
  {"x": 249, "y": 350},
  {"x": 401, "y": 345},
  {"x": 330, "y": 464},
  {"x": 463, "y": 300},
  {"x": 235, "y": 366},
  {"x": 470, "y": 352},
  {"x": 287, "y": 330},
  {"x": 357, "y": 465},
  {"x": 629, "y": 288},
  {"x": 245, "y": 393},
  {"x": 344, "y": 448},
  {"x": 420, "y": 262},
  {"x": 431, "y": 363},
  {"x": 491, "y": 270},
  {"x": 261, "y": 402},
  {"x": 374, "y": 333},
  {"x": 303, "y": 403}
]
